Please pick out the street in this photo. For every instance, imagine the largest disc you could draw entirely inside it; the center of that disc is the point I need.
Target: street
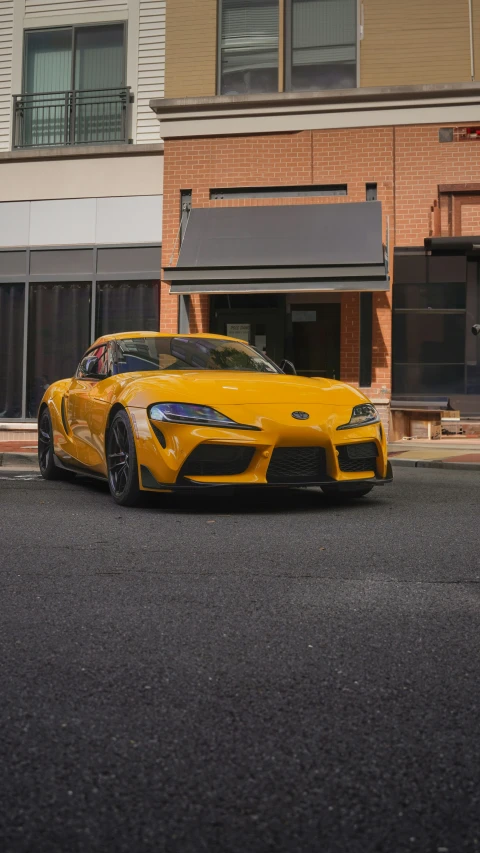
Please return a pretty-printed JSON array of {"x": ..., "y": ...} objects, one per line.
[{"x": 240, "y": 674}]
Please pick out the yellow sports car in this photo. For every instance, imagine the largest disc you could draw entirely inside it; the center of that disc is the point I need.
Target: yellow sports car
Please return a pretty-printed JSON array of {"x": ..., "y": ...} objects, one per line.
[{"x": 150, "y": 412}]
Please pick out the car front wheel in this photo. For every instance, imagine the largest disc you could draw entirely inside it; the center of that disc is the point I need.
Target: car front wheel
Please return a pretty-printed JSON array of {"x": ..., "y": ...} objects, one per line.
[{"x": 122, "y": 461}]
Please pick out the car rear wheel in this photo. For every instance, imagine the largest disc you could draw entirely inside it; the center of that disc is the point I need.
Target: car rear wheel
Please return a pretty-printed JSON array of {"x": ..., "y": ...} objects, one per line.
[
  {"x": 346, "y": 493},
  {"x": 122, "y": 461},
  {"x": 46, "y": 461}
]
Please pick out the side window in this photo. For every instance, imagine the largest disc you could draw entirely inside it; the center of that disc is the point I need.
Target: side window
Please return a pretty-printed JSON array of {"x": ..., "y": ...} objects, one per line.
[{"x": 104, "y": 361}]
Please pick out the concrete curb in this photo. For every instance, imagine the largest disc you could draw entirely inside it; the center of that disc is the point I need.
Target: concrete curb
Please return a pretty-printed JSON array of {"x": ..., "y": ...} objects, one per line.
[
  {"x": 435, "y": 463},
  {"x": 20, "y": 460}
]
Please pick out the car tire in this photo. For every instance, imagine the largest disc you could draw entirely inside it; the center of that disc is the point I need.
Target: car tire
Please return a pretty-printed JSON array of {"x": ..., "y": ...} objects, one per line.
[
  {"x": 46, "y": 461},
  {"x": 122, "y": 463},
  {"x": 346, "y": 494}
]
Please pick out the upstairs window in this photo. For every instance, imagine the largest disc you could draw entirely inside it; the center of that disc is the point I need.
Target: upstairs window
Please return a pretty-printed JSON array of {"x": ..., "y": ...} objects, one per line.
[
  {"x": 80, "y": 58},
  {"x": 314, "y": 49},
  {"x": 249, "y": 46},
  {"x": 73, "y": 87},
  {"x": 321, "y": 44}
]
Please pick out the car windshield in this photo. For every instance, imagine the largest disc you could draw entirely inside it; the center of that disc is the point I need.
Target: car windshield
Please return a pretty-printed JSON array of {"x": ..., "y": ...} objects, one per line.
[{"x": 178, "y": 353}]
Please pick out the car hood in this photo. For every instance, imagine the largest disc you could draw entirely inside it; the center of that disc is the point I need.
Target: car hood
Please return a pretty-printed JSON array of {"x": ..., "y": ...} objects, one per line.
[{"x": 220, "y": 388}]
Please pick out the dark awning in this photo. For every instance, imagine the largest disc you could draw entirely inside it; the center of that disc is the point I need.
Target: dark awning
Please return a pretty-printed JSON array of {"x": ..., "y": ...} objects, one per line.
[
  {"x": 282, "y": 248},
  {"x": 453, "y": 245}
]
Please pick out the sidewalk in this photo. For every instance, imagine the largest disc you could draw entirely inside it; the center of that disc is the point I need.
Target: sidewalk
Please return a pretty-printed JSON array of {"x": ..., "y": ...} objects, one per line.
[{"x": 445, "y": 453}]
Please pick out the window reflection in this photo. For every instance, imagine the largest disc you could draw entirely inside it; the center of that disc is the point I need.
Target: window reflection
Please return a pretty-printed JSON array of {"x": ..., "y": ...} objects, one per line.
[{"x": 249, "y": 46}]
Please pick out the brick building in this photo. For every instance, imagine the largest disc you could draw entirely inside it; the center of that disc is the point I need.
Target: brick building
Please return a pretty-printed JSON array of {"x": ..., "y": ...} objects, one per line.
[{"x": 275, "y": 126}]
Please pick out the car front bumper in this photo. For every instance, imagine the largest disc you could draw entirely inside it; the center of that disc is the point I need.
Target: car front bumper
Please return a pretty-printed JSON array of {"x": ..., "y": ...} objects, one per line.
[{"x": 163, "y": 453}]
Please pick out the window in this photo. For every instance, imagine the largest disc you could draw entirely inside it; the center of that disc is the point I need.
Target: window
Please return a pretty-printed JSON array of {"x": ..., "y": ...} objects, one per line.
[
  {"x": 12, "y": 298},
  {"x": 429, "y": 326},
  {"x": 249, "y": 46},
  {"x": 318, "y": 45},
  {"x": 73, "y": 87},
  {"x": 126, "y": 306},
  {"x": 279, "y": 192},
  {"x": 178, "y": 353},
  {"x": 321, "y": 44}
]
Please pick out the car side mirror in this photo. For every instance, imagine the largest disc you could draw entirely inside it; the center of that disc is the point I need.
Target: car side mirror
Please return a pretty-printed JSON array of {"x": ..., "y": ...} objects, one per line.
[
  {"x": 91, "y": 366},
  {"x": 476, "y": 329},
  {"x": 288, "y": 367}
]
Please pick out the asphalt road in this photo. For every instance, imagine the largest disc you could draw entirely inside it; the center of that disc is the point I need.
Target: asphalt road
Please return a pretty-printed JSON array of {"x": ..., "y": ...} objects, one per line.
[{"x": 240, "y": 675}]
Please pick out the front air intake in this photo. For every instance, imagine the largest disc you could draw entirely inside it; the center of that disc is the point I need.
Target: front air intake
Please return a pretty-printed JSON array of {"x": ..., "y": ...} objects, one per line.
[
  {"x": 298, "y": 465},
  {"x": 355, "y": 458},
  {"x": 217, "y": 460}
]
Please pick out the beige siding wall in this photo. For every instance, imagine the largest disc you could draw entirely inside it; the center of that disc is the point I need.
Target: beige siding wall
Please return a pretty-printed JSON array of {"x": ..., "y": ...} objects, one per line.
[
  {"x": 476, "y": 34},
  {"x": 191, "y": 55},
  {"x": 416, "y": 41},
  {"x": 52, "y": 8},
  {"x": 151, "y": 67},
  {"x": 6, "y": 40}
]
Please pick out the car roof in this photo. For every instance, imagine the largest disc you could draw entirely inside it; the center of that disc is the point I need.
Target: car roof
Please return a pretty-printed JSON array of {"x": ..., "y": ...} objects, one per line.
[{"x": 119, "y": 336}]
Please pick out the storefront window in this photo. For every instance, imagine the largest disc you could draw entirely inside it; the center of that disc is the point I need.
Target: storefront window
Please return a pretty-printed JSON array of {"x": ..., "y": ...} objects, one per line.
[
  {"x": 429, "y": 325},
  {"x": 12, "y": 298},
  {"x": 126, "y": 306},
  {"x": 58, "y": 334}
]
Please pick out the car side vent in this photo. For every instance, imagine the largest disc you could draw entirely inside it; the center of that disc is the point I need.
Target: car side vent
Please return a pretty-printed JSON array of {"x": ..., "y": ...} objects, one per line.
[
  {"x": 357, "y": 457},
  {"x": 64, "y": 415}
]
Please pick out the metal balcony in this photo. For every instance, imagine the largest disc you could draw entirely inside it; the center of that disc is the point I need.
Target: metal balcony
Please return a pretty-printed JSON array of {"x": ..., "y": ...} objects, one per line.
[{"x": 93, "y": 117}]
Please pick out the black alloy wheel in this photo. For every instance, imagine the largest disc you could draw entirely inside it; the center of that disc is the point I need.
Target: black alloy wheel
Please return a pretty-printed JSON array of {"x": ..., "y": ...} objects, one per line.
[
  {"x": 122, "y": 461},
  {"x": 46, "y": 461}
]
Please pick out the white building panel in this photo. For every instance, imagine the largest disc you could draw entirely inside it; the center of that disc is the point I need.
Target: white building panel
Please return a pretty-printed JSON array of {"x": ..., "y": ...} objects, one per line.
[
  {"x": 134, "y": 219},
  {"x": 14, "y": 223},
  {"x": 62, "y": 222}
]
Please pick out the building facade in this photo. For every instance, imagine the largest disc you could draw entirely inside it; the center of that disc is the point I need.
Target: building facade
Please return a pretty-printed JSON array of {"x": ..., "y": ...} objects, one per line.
[
  {"x": 322, "y": 187},
  {"x": 81, "y": 184}
]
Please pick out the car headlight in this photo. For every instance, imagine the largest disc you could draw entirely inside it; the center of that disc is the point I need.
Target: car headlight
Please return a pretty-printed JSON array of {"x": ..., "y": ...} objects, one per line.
[
  {"x": 362, "y": 415},
  {"x": 189, "y": 413}
]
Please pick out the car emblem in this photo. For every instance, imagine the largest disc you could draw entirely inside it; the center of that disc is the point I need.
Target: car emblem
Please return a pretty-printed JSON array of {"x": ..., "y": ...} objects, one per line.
[{"x": 301, "y": 416}]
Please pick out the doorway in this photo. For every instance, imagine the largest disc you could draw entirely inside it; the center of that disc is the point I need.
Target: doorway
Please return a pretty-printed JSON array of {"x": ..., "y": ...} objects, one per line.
[{"x": 315, "y": 339}]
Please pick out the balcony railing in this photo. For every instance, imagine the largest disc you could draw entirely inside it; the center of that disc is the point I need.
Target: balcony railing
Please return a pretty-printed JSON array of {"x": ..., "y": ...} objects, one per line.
[{"x": 84, "y": 117}]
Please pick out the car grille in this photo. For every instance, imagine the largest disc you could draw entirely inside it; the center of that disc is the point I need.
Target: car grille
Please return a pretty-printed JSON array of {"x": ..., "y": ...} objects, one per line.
[
  {"x": 357, "y": 457},
  {"x": 212, "y": 460},
  {"x": 297, "y": 465}
]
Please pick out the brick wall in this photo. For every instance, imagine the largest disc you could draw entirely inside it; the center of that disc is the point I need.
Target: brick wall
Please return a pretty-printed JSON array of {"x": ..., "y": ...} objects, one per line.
[
  {"x": 411, "y": 159},
  {"x": 337, "y": 157}
]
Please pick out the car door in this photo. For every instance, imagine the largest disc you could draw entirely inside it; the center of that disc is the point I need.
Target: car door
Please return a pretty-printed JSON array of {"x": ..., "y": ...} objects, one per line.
[{"x": 81, "y": 405}]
